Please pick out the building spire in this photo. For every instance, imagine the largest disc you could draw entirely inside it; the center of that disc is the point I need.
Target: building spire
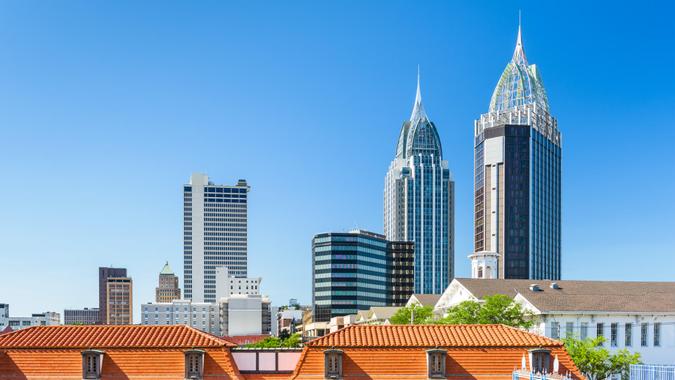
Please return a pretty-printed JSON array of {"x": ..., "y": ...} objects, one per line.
[
  {"x": 418, "y": 110},
  {"x": 519, "y": 52}
]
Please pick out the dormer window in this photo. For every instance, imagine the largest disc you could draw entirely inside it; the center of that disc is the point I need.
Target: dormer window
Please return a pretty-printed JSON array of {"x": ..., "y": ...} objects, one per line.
[
  {"x": 436, "y": 363},
  {"x": 92, "y": 361},
  {"x": 540, "y": 360},
  {"x": 194, "y": 364},
  {"x": 333, "y": 364}
]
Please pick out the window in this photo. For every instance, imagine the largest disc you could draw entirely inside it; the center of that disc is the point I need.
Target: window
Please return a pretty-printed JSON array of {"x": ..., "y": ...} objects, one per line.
[
  {"x": 569, "y": 329},
  {"x": 540, "y": 360},
  {"x": 657, "y": 334},
  {"x": 436, "y": 363},
  {"x": 194, "y": 364},
  {"x": 333, "y": 364},
  {"x": 92, "y": 360},
  {"x": 613, "y": 334},
  {"x": 583, "y": 333},
  {"x": 600, "y": 331},
  {"x": 643, "y": 335},
  {"x": 628, "y": 333},
  {"x": 555, "y": 330}
]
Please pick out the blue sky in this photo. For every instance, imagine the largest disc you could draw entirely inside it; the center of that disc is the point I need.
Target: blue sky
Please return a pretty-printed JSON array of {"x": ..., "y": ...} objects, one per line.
[{"x": 106, "y": 109}]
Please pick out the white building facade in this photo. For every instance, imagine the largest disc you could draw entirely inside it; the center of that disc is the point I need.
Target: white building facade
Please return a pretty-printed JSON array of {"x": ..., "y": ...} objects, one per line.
[
  {"x": 48, "y": 318},
  {"x": 227, "y": 284},
  {"x": 215, "y": 233},
  {"x": 638, "y": 316},
  {"x": 200, "y": 315},
  {"x": 245, "y": 314}
]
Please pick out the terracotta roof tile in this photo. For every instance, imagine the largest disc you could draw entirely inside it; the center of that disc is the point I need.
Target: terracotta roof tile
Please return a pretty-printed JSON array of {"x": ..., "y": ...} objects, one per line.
[
  {"x": 432, "y": 336},
  {"x": 106, "y": 336}
]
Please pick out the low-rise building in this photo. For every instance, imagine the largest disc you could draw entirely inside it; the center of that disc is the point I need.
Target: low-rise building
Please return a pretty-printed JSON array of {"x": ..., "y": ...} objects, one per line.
[
  {"x": 203, "y": 316},
  {"x": 245, "y": 314},
  {"x": 287, "y": 319},
  {"x": 638, "y": 316},
  {"x": 227, "y": 284},
  {"x": 377, "y": 315},
  {"x": 47, "y": 318},
  {"x": 115, "y": 352},
  {"x": 86, "y": 316},
  {"x": 433, "y": 351}
]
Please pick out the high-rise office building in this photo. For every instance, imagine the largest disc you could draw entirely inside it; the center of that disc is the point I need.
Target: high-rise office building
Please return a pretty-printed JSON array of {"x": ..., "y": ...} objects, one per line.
[
  {"x": 167, "y": 289},
  {"x": 419, "y": 201},
  {"x": 119, "y": 301},
  {"x": 400, "y": 272},
  {"x": 517, "y": 179},
  {"x": 215, "y": 234},
  {"x": 103, "y": 274},
  {"x": 353, "y": 271}
]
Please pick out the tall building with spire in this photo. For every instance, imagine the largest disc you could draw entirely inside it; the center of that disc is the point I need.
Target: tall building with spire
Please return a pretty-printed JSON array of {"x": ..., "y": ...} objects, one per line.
[
  {"x": 517, "y": 158},
  {"x": 419, "y": 201},
  {"x": 167, "y": 288}
]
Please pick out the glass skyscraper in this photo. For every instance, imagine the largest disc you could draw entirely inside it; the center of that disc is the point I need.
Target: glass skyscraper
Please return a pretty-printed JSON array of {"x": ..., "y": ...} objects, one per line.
[
  {"x": 419, "y": 201},
  {"x": 215, "y": 234},
  {"x": 353, "y": 271},
  {"x": 517, "y": 163}
]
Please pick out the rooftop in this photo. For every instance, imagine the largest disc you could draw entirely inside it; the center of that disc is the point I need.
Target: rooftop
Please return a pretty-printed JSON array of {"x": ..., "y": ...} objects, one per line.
[
  {"x": 109, "y": 336},
  {"x": 432, "y": 336},
  {"x": 573, "y": 295}
]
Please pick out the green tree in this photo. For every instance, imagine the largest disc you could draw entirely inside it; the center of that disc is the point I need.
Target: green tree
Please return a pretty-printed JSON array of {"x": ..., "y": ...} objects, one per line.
[
  {"x": 497, "y": 308},
  {"x": 276, "y": 342},
  {"x": 415, "y": 313},
  {"x": 596, "y": 362}
]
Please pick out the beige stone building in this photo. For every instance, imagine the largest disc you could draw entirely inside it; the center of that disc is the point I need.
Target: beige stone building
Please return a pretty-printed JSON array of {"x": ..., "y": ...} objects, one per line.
[
  {"x": 119, "y": 301},
  {"x": 168, "y": 289}
]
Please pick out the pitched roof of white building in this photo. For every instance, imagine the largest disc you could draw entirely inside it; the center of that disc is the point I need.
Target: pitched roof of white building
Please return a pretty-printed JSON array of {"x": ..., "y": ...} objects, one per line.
[{"x": 572, "y": 295}]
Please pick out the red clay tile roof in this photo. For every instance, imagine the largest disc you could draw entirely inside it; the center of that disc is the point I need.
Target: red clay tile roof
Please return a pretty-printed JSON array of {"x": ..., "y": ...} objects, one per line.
[
  {"x": 245, "y": 339},
  {"x": 106, "y": 336},
  {"x": 432, "y": 336}
]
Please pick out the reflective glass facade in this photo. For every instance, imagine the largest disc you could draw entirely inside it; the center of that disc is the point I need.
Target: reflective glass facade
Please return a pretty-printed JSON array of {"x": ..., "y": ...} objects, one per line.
[
  {"x": 419, "y": 201},
  {"x": 517, "y": 177}
]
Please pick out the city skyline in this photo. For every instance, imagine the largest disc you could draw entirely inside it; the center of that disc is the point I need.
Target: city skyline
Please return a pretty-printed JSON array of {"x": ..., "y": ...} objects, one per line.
[{"x": 98, "y": 103}]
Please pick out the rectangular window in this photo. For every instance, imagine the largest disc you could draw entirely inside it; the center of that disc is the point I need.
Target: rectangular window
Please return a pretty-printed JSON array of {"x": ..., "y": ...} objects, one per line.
[
  {"x": 436, "y": 363},
  {"x": 583, "y": 332},
  {"x": 643, "y": 335},
  {"x": 614, "y": 334},
  {"x": 657, "y": 334},
  {"x": 628, "y": 334},
  {"x": 600, "y": 330},
  {"x": 333, "y": 364},
  {"x": 555, "y": 330},
  {"x": 569, "y": 329}
]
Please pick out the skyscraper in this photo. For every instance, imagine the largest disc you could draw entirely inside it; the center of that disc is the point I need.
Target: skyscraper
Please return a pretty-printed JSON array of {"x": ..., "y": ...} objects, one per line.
[
  {"x": 103, "y": 274},
  {"x": 167, "y": 289},
  {"x": 419, "y": 201},
  {"x": 517, "y": 178},
  {"x": 119, "y": 301},
  {"x": 215, "y": 231}
]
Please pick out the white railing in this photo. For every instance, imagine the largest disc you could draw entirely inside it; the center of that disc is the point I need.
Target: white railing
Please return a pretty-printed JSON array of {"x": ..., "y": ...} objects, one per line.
[{"x": 652, "y": 372}]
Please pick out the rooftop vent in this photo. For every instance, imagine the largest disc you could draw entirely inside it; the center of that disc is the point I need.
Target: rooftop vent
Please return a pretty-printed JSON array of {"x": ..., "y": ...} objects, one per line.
[
  {"x": 535, "y": 288},
  {"x": 554, "y": 285}
]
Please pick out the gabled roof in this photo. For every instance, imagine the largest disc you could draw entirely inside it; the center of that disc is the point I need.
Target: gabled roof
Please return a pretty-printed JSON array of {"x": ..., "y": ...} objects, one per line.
[
  {"x": 427, "y": 299},
  {"x": 382, "y": 312},
  {"x": 109, "y": 336},
  {"x": 572, "y": 295},
  {"x": 432, "y": 336}
]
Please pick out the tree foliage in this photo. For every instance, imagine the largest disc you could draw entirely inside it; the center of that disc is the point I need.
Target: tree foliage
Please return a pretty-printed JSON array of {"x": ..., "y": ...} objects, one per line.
[
  {"x": 497, "y": 308},
  {"x": 276, "y": 342},
  {"x": 416, "y": 313},
  {"x": 596, "y": 362}
]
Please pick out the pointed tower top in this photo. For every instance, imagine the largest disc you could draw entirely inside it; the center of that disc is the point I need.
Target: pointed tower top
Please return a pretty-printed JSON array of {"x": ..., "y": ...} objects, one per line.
[
  {"x": 519, "y": 52},
  {"x": 166, "y": 269},
  {"x": 418, "y": 109}
]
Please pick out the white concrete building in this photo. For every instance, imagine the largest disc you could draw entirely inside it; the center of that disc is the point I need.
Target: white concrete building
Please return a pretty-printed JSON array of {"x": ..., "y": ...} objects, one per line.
[
  {"x": 215, "y": 233},
  {"x": 638, "y": 316},
  {"x": 245, "y": 314},
  {"x": 227, "y": 284},
  {"x": 200, "y": 315},
  {"x": 287, "y": 319}
]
